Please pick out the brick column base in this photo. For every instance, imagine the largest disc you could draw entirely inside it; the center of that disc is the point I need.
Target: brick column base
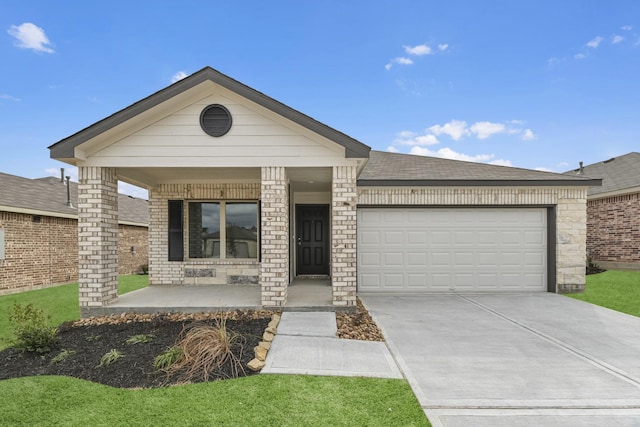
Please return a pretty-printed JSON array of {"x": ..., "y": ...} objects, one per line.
[{"x": 97, "y": 237}]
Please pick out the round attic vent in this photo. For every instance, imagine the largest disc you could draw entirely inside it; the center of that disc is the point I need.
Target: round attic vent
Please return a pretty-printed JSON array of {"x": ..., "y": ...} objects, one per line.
[{"x": 215, "y": 120}]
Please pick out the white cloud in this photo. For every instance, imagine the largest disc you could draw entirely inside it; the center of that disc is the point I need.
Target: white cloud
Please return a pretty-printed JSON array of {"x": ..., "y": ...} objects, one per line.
[
  {"x": 501, "y": 162},
  {"x": 563, "y": 164},
  {"x": 9, "y": 97},
  {"x": 626, "y": 28},
  {"x": 615, "y": 39},
  {"x": 448, "y": 153},
  {"x": 595, "y": 42},
  {"x": 484, "y": 130},
  {"x": 419, "y": 50},
  {"x": 400, "y": 60},
  {"x": 456, "y": 129},
  {"x": 178, "y": 76},
  {"x": 528, "y": 135},
  {"x": 30, "y": 36},
  {"x": 392, "y": 149},
  {"x": 410, "y": 138},
  {"x": 442, "y": 47},
  {"x": 579, "y": 56}
]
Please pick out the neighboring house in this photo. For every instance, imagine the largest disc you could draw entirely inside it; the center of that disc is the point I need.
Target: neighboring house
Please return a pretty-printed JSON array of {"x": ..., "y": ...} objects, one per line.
[
  {"x": 39, "y": 233},
  {"x": 230, "y": 169},
  {"x": 613, "y": 212}
]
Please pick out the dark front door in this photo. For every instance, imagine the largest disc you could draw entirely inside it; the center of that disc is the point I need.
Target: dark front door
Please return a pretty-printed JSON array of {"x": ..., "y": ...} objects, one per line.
[{"x": 312, "y": 239}]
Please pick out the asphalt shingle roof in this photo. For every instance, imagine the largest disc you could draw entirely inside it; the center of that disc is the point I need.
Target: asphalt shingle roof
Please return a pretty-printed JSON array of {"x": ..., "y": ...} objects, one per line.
[
  {"x": 617, "y": 174},
  {"x": 403, "y": 169},
  {"x": 50, "y": 195}
]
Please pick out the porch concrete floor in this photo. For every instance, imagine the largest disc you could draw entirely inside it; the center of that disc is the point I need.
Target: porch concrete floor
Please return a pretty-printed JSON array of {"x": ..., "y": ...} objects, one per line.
[{"x": 302, "y": 295}]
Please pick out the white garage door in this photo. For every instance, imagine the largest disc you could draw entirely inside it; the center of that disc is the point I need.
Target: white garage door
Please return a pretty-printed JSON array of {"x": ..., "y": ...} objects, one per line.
[{"x": 452, "y": 249}]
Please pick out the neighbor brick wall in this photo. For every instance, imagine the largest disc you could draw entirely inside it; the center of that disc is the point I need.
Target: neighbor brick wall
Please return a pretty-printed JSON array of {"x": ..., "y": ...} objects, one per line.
[
  {"x": 130, "y": 236},
  {"x": 194, "y": 271},
  {"x": 613, "y": 229},
  {"x": 570, "y": 206},
  {"x": 38, "y": 255}
]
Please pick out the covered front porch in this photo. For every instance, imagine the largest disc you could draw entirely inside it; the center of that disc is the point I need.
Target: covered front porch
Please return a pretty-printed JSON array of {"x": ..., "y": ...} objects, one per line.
[{"x": 303, "y": 295}]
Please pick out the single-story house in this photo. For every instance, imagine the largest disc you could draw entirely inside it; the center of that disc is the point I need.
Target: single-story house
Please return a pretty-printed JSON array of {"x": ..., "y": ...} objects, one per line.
[
  {"x": 39, "y": 233},
  {"x": 613, "y": 212},
  {"x": 244, "y": 190}
]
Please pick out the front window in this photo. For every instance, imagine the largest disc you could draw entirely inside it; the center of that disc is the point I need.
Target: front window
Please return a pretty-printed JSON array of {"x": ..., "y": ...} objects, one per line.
[{"x": 233, "y": 223}]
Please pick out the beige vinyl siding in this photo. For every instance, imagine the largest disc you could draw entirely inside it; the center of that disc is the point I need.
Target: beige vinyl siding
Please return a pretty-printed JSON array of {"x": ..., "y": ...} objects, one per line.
[{"x": 256, "y": 138}]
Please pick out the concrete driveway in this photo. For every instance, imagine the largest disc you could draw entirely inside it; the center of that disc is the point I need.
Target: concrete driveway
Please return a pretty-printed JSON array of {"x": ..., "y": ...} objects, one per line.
[{"x": 514, "y": 360}]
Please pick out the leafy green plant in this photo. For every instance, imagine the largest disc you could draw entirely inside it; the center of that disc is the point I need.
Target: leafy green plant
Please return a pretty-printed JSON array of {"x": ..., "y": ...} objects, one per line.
[
  {"x": 63, "y": 355},
  {"x": 167, "y": 358},
  {"x": 140, "y": 339},
  {"x": 92, "y": 338},
  {"x": 110, "y": 357},
  {"x": 31, "y": 329}
]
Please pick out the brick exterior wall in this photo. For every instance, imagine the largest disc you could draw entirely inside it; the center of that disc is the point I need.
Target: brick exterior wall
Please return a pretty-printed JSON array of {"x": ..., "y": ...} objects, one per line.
[
  {"x": 274, "y": 268},
  {"x": 613, "y": 230},
  {"x": 570, "y": 204},
  {"x": 343, "y": 236},
  {"x": 195, "y": 271},
  {"x": 97, "y": 236},
  {"x": 45, "y": 253}
]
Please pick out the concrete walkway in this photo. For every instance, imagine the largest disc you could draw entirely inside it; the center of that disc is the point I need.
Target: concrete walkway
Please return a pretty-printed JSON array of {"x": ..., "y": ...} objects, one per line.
[
  {"x": 514, "y": 360},
  {"x": 306, "y": 343}
]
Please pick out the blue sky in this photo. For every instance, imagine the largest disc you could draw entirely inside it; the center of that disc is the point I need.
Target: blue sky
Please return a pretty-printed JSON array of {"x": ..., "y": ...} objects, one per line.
[{"x": 533, "y": 84}]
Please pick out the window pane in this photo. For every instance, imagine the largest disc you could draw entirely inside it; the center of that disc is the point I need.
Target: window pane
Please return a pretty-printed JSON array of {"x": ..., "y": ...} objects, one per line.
[
  {"x": 204, "y": 230},
  {"x": 242, "y": 230}
]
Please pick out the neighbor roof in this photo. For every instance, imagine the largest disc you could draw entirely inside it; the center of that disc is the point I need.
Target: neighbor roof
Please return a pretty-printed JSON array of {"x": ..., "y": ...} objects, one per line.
[
  {"x": 48, "y": 196},
  {"x": 394, "y": 169},
  {"x": 64, "y": 149},
  {"x": 618, "y": 174}
]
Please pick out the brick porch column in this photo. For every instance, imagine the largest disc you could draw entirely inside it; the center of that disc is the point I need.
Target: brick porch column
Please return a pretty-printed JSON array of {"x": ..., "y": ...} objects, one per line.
[
  {"x": 343, "y": 236},
  {"x": 97, "y": 237},
  {"x": 274, "y": 236},
  {"x": 571, "y": 244}
]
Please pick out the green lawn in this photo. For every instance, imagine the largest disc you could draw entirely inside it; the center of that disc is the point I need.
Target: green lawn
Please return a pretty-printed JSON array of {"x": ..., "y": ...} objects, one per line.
[
  {"x": 286, "y": 400},
  {"x": 617, "y": 290},
  {"x": 60, "y": 302},
  {"x": 261, "y": 400}
]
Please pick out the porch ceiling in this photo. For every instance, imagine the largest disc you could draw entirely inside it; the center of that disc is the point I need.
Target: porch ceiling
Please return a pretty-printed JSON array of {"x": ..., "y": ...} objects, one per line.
[{"x": 301, "y": 179}]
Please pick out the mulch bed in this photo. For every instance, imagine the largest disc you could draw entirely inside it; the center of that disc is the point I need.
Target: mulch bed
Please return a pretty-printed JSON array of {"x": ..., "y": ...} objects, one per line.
[
  {"x": 135, "y": 368},
  {"x": 90, "y": 339}
]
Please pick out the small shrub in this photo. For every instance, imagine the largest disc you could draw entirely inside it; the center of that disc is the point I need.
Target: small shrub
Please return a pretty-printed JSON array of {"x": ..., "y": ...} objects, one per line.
[
  {"x": 140, "y": 339},
  {"x": 168, "y": 358},
  {"x": 592, "y": 267},
  {"x": 144, "y": 268},
  {"x": 63, "y": 355},
  {"x": 30, "y": 329},
  {"x": 109, "y": 357}
]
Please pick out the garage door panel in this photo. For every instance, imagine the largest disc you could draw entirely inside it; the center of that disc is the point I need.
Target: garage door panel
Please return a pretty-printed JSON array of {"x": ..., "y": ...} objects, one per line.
[
  {"x": 393, "y": 260},
  {"x": 395, "y": 237},
  {"x": 452, "y": 249}
]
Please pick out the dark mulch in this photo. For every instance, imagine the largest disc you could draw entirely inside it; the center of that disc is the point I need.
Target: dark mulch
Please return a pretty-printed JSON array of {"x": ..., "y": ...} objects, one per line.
[{"x": 135, "y": 369}]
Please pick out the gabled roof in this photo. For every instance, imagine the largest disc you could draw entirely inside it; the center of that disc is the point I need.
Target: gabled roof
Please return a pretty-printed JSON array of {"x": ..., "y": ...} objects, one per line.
[
  {"x": 64, "y": 149},
  {"x": 48, "y": 196},
  {"x": 619, "y": 174},
  {"x": 393, "y": 169}
]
